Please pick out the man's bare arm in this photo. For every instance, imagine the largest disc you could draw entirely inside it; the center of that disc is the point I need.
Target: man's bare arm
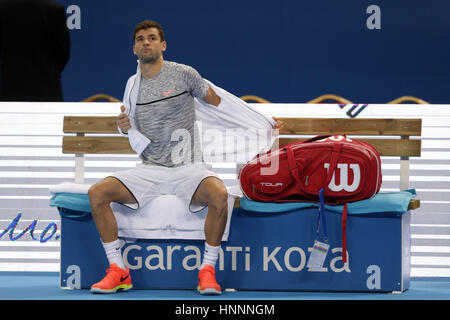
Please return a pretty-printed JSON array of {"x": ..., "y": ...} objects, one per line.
[{"x": 211, "y": 97}]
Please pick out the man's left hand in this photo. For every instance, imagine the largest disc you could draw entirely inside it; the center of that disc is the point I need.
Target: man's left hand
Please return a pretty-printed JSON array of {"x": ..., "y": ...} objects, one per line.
[{"x": 279, "y": 124}]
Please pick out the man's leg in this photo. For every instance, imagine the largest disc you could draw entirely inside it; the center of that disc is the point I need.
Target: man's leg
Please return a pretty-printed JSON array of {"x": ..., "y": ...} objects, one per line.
[
  {"x": 100, "y": 197},
  {"x": 211, "y": 192}
]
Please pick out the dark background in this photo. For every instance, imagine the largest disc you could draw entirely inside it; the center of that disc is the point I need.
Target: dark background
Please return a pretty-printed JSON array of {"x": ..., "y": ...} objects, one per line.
[{"x": 280, "y": 50}]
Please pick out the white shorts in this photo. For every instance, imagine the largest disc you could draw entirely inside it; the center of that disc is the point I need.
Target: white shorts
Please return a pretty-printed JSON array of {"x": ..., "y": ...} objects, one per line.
[{"x": 147, "y": 182}]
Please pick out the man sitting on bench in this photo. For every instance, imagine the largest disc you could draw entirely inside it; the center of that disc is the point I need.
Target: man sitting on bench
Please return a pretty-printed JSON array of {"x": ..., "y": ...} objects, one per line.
[{"x": 160, "y": 101}]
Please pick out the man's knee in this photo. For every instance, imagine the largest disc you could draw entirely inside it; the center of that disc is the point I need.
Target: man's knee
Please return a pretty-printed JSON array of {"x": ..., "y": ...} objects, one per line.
[
  {"x": 219, "y": 199},
  {"x": 96, "y": 195},
  {"x": 99, "y": 195},
  {"x": 109, "y": 190}
]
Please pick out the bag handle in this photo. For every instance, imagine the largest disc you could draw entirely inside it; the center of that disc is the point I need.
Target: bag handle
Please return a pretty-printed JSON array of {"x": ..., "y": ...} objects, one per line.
[
  {"x": 335, "y": 154},
  {"x": 292, "y": 163}
]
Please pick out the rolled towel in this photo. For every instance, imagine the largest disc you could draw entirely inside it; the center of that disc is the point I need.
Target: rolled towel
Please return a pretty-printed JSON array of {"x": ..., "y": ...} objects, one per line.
[{"x": 70, "y": 187}]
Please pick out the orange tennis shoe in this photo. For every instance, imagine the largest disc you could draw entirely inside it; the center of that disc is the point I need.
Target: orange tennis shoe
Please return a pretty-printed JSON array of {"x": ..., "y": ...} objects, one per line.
[
  {"x": 207, "y": 283},
  {"x": 116, "y": 279}
]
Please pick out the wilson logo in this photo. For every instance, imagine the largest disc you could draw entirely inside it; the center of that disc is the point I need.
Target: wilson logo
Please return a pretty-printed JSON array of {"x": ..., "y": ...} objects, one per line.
[
  {"x": 344, "y": 183},
  {"x": 269, "y": 184}
]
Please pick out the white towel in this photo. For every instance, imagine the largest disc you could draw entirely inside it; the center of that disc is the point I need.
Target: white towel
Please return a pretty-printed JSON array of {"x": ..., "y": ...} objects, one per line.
[
  {"x": 234, "y": 131},
  {"x": 70, "y": 187},
  {"x": 166, "y": 217}
]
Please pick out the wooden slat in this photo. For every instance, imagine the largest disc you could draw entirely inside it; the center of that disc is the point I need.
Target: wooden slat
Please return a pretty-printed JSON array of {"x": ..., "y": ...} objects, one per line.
[
  {"x": 316, "y": 126},
  {"x": 307, "y": 126},
  {"x": 385, "y": 147},
  {"x": 93, "y": 144},
  {"x": 103, "y": 145},
  {"x": 414, "y": 204},
  {"x": 90, "y": 124}
]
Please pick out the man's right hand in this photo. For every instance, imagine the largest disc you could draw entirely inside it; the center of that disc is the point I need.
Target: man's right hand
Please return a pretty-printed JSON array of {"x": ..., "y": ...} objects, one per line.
[{"x": 123, "y": 121}]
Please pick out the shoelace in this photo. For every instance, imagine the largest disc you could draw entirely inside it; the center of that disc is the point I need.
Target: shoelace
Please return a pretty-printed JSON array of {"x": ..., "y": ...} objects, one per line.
[
  {"x": 208, "y": 275},
  {"x": 109, "y": 270}
]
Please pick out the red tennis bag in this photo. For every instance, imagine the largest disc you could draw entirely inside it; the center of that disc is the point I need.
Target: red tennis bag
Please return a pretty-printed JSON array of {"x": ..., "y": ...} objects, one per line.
[{"x": 348, "y": 170}]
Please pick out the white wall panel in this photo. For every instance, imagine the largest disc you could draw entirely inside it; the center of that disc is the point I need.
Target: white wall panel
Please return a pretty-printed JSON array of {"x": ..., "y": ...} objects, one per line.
[{"x": 31, "y": 160}]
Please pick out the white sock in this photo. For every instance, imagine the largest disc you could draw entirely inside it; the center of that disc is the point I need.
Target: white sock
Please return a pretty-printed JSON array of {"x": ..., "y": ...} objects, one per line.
[
  {"x": 210, "y": 255},
  {"x": 113, "y": 253}
]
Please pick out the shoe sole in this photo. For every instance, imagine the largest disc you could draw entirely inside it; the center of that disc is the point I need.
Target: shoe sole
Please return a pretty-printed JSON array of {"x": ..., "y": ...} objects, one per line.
[
  {"x": 209, "y": 291},
  {"x": 122, "y": 287}
]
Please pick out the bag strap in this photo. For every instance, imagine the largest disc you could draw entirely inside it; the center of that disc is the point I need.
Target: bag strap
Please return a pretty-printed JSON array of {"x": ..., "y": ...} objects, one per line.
[
  {"x": 344, "y": 234},
  {"x": 292, "y": 163},
  {"x": 321, "y": 218},
  {"x": 335, "y": 154}
]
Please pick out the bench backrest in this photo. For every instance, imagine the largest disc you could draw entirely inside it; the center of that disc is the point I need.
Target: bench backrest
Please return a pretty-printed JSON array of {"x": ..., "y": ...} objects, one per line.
[
  {"x": 384, "y": 129},
  {"x": 391, "y": 137}
]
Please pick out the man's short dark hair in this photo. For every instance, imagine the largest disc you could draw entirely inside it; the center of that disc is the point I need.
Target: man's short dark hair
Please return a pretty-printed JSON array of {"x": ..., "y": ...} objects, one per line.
[{"x": 146, "y": 24}]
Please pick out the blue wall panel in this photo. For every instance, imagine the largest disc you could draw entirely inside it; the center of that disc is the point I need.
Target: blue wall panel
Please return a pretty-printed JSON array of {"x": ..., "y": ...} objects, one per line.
[{"x": 283, "y": 51}]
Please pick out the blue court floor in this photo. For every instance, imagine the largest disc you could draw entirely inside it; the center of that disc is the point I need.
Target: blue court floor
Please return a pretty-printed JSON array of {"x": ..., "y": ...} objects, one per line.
[{"x": 45, "y": 286}]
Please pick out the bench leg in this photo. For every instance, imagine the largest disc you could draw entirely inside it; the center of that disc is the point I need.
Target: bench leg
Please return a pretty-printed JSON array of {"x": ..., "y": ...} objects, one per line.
[{"x": 79, "y": 168}]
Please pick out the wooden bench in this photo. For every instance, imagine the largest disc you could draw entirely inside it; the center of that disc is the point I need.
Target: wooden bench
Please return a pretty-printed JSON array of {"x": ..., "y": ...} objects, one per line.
[{"x": 391, "y": 137}]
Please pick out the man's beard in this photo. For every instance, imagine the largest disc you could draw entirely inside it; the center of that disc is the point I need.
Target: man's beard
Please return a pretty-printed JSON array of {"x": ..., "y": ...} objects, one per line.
[{"x": 149, "y": 59}]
